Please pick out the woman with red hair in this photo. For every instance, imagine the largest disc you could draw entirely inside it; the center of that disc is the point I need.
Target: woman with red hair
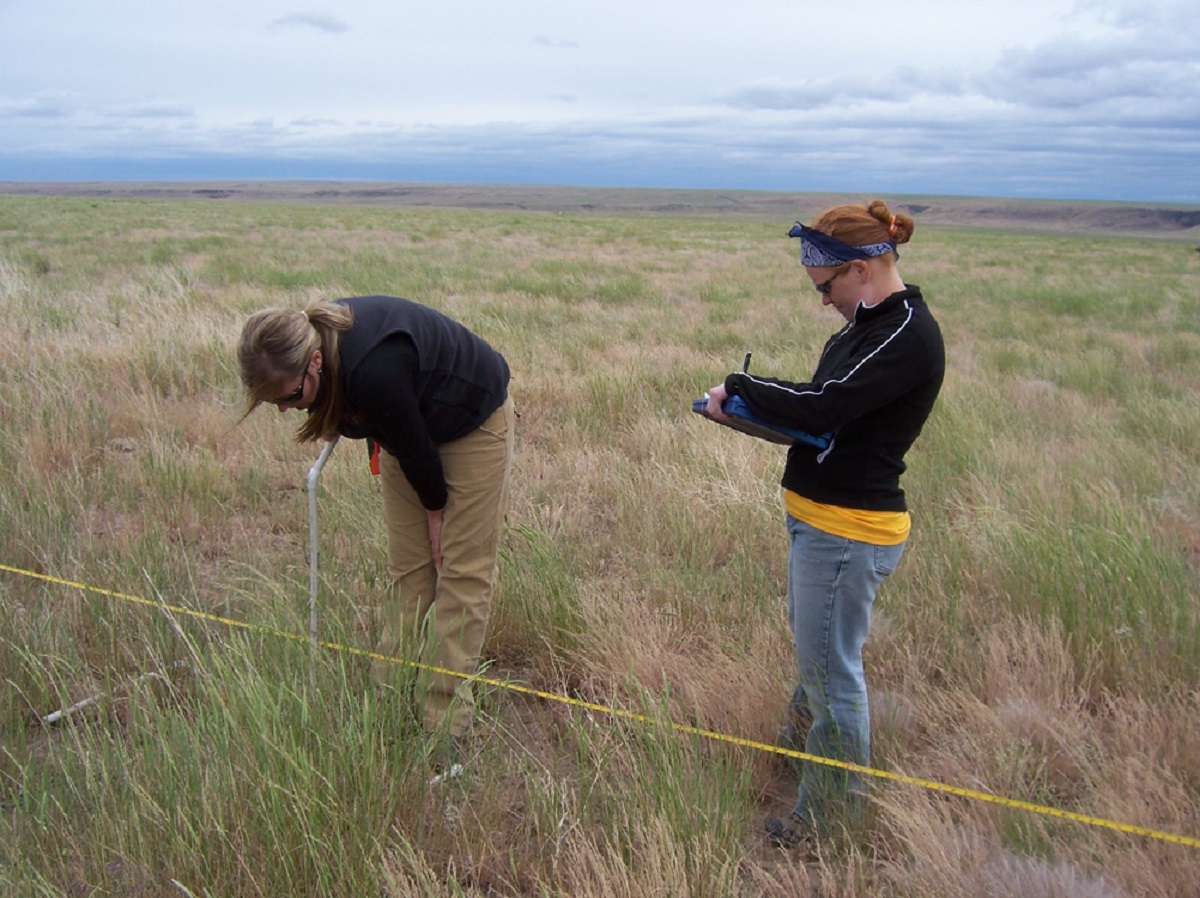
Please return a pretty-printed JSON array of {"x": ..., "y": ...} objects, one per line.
[{"x": 847, "y": 519}]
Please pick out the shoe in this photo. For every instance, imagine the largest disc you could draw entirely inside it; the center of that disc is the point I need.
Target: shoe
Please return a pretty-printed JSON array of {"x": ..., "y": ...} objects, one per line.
[
  {"x": 447, "y": 761},
  {"x": 791, "y": 833},
  {"x": 453, "y": 772}
]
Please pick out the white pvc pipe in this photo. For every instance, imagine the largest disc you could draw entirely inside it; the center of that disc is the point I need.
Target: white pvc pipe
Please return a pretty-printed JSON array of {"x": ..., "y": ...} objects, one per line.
[
  {"x": 314, "y": 475},
  {"x": 56, "y": 716}
]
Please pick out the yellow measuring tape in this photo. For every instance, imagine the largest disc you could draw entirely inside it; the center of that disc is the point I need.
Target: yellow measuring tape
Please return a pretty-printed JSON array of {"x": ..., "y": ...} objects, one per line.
[{"x": 642, "y": 718}]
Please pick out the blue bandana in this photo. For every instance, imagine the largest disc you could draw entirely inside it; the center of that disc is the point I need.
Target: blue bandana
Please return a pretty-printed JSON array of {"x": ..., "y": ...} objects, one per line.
[{"x": 822, "y": 251}]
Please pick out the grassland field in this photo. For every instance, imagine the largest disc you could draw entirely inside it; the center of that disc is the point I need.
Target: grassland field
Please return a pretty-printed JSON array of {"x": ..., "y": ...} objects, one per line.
[{"x": 1040, "y": 641}]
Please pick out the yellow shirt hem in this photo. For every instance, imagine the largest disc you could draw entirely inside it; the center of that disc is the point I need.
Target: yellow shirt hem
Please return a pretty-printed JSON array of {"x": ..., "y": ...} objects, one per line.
[{"x": 879, "y": 528}]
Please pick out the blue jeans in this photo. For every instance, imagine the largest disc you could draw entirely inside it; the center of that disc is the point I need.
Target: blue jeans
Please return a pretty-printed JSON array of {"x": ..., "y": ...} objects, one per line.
[{"x": 832, "y": 583}]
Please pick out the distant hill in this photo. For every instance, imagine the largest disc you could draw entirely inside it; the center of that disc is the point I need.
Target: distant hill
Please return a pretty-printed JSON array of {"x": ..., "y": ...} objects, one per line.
[{"x": 1009, "y": 214}]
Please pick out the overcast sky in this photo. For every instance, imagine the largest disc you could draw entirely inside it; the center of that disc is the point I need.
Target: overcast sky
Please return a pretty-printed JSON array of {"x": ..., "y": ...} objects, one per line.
[{"x": 1096, "y": 99}]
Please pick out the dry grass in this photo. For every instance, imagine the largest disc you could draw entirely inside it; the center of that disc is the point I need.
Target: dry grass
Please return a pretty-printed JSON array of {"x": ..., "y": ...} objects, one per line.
[{"x": 1040, "y": 640}]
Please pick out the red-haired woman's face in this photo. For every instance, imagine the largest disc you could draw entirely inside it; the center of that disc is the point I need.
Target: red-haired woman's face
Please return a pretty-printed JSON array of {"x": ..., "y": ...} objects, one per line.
[{"x": 837, "y": 286}]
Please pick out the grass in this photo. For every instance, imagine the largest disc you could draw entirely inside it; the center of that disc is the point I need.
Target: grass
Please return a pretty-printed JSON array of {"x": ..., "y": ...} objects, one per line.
[{"x": 1041, "y": 638}]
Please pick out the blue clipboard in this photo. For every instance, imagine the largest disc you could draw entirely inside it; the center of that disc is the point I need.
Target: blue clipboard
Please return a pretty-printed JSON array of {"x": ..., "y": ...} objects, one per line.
[{"x": 745, "y": 421}]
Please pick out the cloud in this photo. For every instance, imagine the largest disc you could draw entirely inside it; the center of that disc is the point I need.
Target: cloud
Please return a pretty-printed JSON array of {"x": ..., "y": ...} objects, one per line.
[
  {"x": 149, "y": 111},
  {"x": 1122, "y": 81},
  {"x": 1098, "y": 93},
  {"x": 319, "y": 21},
  {"x": 316, "y": 122},
  {"x": 1123, "y": 60},
  {"x": 838, "y": 93},
  {"x": 1162, "y": 21},
  {"x": 42, "y": 106},
  {"x": 1117, "y": 70},
  {"x": 555, "y": 43}
]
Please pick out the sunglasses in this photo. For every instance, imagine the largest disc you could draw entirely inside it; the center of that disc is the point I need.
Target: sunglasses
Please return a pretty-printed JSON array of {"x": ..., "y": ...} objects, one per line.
[
  {"x": 295, "y": 395},
  {"x": 825, "y": 287}
]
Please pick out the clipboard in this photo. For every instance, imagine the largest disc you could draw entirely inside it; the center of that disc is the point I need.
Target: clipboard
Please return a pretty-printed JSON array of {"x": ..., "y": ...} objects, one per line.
[{"x": 743, "y": 420}]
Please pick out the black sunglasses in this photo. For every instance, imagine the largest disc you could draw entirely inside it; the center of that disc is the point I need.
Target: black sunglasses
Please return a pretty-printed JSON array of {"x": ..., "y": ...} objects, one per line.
[
  {"x": 295, "y": 394},
  {"x": 825, "y": 287}
]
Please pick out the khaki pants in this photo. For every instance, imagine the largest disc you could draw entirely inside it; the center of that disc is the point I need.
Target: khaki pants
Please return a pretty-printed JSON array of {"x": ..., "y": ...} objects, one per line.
[{"x": 439, "y": 617}]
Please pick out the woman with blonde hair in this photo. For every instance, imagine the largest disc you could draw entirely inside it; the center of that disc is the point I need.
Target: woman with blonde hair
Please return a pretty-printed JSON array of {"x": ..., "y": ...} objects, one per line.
[
  {"x": 847, "y": 519},
  {"x": 434, "y": 397}
]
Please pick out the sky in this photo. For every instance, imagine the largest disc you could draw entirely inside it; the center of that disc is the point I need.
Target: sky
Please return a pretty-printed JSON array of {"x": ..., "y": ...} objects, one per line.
[{"x": 1079, "y": 99}]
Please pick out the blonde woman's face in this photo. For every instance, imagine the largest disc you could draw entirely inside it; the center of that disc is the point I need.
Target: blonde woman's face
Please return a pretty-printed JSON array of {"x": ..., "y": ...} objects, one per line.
[{"x": 301, "y": 392}]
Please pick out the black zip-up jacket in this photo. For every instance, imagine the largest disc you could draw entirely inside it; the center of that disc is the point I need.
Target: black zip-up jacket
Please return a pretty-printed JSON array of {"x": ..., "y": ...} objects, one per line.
[
  {"x": 874, "y": 387},
  {"x": 413, "y": 379}
]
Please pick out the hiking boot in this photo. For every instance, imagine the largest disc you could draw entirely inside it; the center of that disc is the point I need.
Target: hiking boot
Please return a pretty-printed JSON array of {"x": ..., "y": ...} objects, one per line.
[{"x": 792, "y": 832}]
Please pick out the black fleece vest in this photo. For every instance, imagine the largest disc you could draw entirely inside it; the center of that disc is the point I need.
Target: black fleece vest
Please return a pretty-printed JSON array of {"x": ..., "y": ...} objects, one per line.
[{"x": 461, "y": 379}]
